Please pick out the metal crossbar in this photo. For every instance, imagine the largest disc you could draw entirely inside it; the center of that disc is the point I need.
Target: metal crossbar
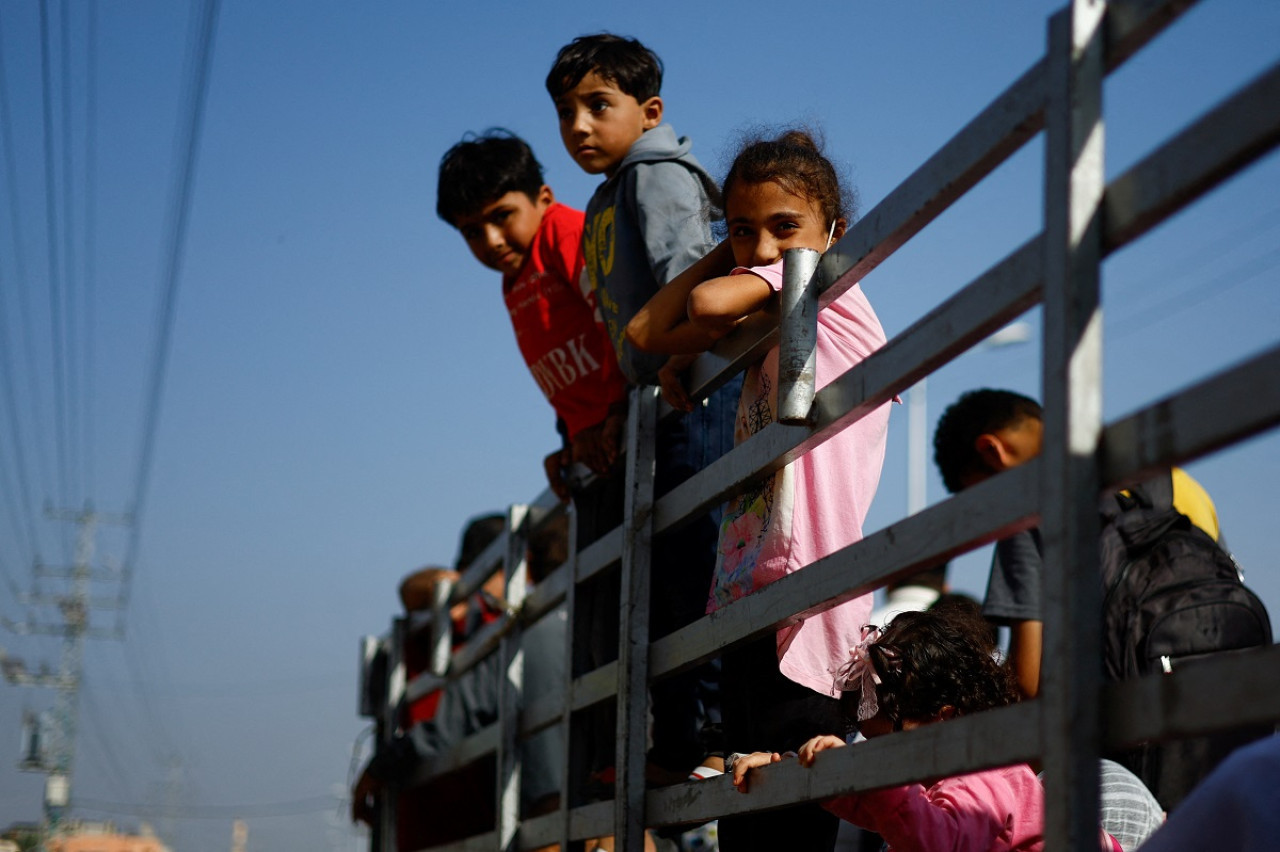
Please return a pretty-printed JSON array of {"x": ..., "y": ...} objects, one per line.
[{"x": 1086, "y": 220}]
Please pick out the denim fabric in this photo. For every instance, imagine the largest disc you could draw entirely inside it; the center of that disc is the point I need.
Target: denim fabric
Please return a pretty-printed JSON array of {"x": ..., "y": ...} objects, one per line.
[{"x": 686, "y": 707}]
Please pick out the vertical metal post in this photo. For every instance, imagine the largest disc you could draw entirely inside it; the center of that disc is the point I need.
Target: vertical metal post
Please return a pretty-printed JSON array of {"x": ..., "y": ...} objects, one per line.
[
  {"x": 385, "y": 836},
  {"x": 566, "y": 719},
  {"x": 633, "y": 650},
  {"x": 1071, "y": 662},
  {"x": 917, "y": 447},
  {"x": 511, "y": 687},
  {"x": 441, "y": 628},
  {"x": 798, "y": 327}
]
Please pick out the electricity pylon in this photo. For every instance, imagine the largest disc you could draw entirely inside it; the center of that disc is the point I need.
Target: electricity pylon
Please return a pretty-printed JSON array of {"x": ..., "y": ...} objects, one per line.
[{"x": 52, "y": 740}]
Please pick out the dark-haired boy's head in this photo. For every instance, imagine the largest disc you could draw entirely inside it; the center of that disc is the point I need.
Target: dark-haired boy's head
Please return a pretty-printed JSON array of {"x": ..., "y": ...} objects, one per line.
[
  {"x": 479, "y": 533},
  {"x": 984, "y": 432},
  {"x": 482, "y": 169},
  {"x": 490, "y": 188},
  {"x": 605, "y": 90},
  {"x": 633, "y": 68}
]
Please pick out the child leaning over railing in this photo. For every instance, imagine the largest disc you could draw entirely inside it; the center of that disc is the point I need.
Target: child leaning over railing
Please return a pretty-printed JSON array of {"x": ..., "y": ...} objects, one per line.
[{"x": 927, "y": 667}]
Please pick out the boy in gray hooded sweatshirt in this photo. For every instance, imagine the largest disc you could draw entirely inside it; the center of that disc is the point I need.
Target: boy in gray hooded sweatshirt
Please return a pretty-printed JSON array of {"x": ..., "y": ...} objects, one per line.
[{"x": 648, "y": 221}]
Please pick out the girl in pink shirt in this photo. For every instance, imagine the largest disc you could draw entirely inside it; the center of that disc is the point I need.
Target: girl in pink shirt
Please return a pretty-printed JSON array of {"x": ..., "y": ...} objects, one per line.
[
  {"x": 776, "y": 692},
  {"x": 927, "y": 667}
]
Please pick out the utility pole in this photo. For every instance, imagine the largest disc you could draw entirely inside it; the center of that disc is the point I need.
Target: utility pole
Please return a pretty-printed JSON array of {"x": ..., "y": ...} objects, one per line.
[{"x": 52, "y": 740}]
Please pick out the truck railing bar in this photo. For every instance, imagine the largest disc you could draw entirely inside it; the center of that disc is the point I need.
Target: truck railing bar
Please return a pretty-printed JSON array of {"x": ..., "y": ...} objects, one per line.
[
  {"x": 978, "y": 515},
  {"x": 1163, "y": 183},
  {"x": 965, "y": 744},
  {"x": 1007, "y": 123},
  {"x": 633, "y": 631},
  {"x": 1190, "y": 700},
  {"x": 1000, "y": 294},
  {"x": 510, "y": 755},
  {"x": 1232, "y": 135},
  {"x": 1223, "y": 409},
  {"x": 602, "y": 553},
  {"x": 1085, "y": 221}
]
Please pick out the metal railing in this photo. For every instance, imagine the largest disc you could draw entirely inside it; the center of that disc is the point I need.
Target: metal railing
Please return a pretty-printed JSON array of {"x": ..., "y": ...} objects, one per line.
[{"x": 1077, "y": 716}]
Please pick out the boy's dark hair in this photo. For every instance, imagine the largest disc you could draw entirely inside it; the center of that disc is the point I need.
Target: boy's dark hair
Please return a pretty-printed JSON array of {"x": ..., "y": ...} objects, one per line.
[
  {"x": 481, "y": 169},
  {"x": 480, "y": 532},
  {"x": 794, "y": 161},
  {"x": 625, "y": 62},
  {"x": 978, "y": 412},
  {"x": 970, "y": 606},
  {"x": 929, "y": 660}
]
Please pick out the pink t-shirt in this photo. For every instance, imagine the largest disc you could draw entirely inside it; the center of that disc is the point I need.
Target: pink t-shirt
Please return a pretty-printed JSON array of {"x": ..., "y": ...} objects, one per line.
[
  {"x": 812, "y": 507},
  {"x": 998, "y": 810}
]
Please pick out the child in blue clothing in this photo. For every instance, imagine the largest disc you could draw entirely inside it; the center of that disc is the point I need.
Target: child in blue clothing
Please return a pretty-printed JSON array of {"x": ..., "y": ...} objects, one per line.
[{"x": 647, "y": 222}]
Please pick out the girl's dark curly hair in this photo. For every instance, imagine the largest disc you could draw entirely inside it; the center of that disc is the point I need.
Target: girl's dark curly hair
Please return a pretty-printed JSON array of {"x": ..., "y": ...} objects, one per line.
[
  {"x": 929, "y": 660},
  {"x": 794, "y": 160}
]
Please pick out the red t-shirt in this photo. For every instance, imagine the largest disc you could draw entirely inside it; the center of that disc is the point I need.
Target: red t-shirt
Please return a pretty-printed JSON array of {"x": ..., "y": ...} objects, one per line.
[{"x": 555, "y": 324}]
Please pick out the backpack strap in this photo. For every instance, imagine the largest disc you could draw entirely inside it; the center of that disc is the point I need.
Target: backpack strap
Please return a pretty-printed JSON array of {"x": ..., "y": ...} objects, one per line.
[{"x": 1154, "y": 493}]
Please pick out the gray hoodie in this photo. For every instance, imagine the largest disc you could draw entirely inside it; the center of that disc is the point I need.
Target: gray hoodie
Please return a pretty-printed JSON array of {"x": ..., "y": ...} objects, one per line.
[{"x": 646, "y": 225}]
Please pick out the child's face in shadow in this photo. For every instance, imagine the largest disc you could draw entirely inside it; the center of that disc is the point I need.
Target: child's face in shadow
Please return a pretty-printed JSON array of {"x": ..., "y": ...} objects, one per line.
[
  {"x": 500, "y": 233},
  {"x": 764, "y": 220},
  {"x": 880, "y": 724}
]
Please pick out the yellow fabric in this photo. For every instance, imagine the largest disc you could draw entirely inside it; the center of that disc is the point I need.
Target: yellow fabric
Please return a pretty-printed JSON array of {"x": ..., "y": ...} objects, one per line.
[{"x": 1190, "y": 498}]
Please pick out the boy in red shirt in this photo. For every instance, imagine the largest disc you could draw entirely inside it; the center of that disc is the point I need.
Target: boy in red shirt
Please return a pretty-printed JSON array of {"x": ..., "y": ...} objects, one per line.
[{"x": 491, "y": 190}]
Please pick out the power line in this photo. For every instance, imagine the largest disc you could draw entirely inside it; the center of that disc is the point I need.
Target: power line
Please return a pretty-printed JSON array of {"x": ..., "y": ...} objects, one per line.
[
  {"x": 26, "y": 326},
  {"x": 26, "y": 530},
  {"x": 51, "y": 228},
  {"x": 160, "y": 734},
  {"x": 15, "y": 521},
  {"x": 19, "y": 449},
  {"x": 114, "y": 766},
  {"x": 1177, "y": 302},
  {"x": 1209, "y": 253},
  {"x": 69, "y": 264},
  {"x": 187, "y": 146},
  {"x": 90, "y": 235}
]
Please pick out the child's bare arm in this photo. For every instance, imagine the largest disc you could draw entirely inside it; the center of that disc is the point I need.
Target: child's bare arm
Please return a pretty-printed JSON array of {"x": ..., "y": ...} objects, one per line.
[
  {"x": 1025, "y": 644},
  {"x": 717, "y": 305},
  {"x": 662, "y": 325}
]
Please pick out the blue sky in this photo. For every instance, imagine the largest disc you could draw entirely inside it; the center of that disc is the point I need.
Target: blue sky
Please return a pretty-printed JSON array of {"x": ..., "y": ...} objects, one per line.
[{"x": 344, "y": 391}]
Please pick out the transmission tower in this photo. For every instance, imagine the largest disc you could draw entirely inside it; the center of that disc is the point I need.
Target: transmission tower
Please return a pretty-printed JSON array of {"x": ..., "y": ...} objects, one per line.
[{"x": 51, "y": 739}]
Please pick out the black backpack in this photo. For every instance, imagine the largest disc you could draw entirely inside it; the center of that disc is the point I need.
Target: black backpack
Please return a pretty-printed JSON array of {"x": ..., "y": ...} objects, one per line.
[{"x": 1171, "y": 595}]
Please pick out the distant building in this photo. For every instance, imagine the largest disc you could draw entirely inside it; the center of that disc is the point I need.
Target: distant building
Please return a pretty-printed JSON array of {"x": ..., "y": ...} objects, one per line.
[{"x": 103, "y": 837}]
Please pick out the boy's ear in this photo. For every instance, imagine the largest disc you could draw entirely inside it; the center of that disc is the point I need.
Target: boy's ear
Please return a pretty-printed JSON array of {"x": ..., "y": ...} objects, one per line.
[
  {"x": 545, "y": 197},
  {"x": 945, "y": 712},
  {"x": 992, "y": 451},
  {"x": 652, "y": 111}
]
